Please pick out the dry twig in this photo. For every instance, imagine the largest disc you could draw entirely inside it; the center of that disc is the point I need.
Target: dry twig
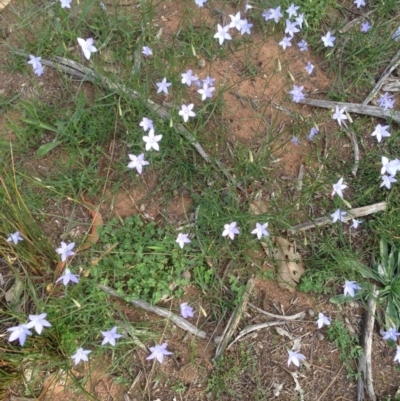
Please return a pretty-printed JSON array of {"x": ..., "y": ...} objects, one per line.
[
  {"x": 180, "y": 322},
  {"x": 392, "y": 65},
  {"x": 354, "y": 108},
  {"x": 297, "y": 316},
  {"x": 352, "y": 136},
  {"x": 234, "y": 320},
  {"x": 364, "y": 364},
  {"x": 351, "y": 214}
]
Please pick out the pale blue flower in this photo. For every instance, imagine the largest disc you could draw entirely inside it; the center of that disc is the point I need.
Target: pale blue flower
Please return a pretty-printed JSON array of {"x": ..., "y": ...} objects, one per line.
[
  {"x": 186, "y": 112},
  {"x": 15, "y": 238},
  {"x": 295, "y": 357},
  {"x": 87, "y": 47},
  {"x": 38, "y": 322},
  {"x": 158, "y": 352},
  {"x": 381, "y": 131},
  {"x": 356, "y": 223},
  {"x": 222, "y": 34},
  {"x": 339, "y": 115},
  {"x": 313, "y": 131},
  {"x": 188, "y": 78},
  {"x": 365, "y": 27},
  {"x": 292, "y": 10},
  {"x": 20, "y": 332},
  {"x": 275, "y": 14},
  {"x": 235, "y": 21},
  {"x": 138, "y": 162},
  {"x": 322, "y": 321},
  {"x": 328, "y": 39},
  {"x": 261, "y": 230},
  {"x": 359, "y": 3},
  {"x": 163, "y": 86},
  {"x": 286, "y": 42},
  {"x": 297, "y": 93},
  {"x": 230, "y": 230},
  {"x": 386, "y": 101},
  {"x": 350, "y": 287},
  {"x": 391, "y": 334},
  {"x": 200, "y": 3},
  {"x": 152, "y": 140},
  {"x": 65, "y": 250},
  {"x": 206, "y": 92},
  {"x": 65, "y": 3},
  {"x": 146, "y": 124},
  {"x": 387, "y": 181},
  {"x": 183, "y": 239},
  {"x": 303, "y": 45},
  {"x": 186, "y": 310},
  {"x": 147, "y": 51},
  {"x": 338, "y": 188},
  {"x": 309, "y": 68},
  {"x": 245, "y": 26},
  {"x": 291, "y": 28},
  {"x": 80, "y": 355},
  {"x": 110, "y": 336},
  {"x": 67, "y": 277},
  {"x": 295, "y": 140},
  {"x": 338, "y": 215}
]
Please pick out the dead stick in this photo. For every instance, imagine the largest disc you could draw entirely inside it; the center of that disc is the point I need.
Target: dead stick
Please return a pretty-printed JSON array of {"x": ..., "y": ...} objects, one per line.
[
  {"x": 297, "y": 316},
  {"x": 180, "y": 322},
  {"x": 87, "y": 74},
  {"x": 254, "y": 327},
  {"x": 234, "y": 320},
  {"x": 330, "y": 384},
  {"x": 392, "y": 65},
  {"x": 354, "y": 108},
  {"x": 364, "y": 364},
  {"x": 351, "y": 214},
  {"x": 352, "y": 136}
]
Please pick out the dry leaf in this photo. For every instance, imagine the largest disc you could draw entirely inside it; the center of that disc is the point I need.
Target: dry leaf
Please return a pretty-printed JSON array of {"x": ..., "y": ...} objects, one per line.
[{"x": 288, "y": 262}]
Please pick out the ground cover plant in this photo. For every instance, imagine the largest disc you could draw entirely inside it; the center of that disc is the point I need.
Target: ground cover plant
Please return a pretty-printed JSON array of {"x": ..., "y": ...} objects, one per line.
[{"x": 180, "y": 219}]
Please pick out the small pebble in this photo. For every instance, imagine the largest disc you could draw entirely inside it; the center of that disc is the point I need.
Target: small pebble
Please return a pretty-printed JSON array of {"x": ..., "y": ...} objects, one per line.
[
  {"x": 320, "y": 336},
  {"x": 311, "y": 313}
]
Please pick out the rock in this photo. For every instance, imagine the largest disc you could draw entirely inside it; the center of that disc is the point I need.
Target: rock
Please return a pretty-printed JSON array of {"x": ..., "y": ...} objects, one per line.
[
  {"x": 311, "y": 313},
  {"x": 320, "y": 336}
]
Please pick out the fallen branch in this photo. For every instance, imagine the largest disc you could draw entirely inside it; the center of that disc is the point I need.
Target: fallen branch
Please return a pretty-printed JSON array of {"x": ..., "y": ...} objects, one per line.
[
  {"x": 297, "y": 316},
  {"x": 254, "y": 327},
  {"x": 354, "y": 108},
  {"x": 234, "y": 320},
  {"x": 392, "y": 65},
  {"x": 364, "y": 365},
  {"x": 87, "y": 74},
  {"x": 352, "y": 136},
  {"x": 180, "y": 322},
  {"x": 351, "y": 214},
  {"x": 330, "y": 384}
]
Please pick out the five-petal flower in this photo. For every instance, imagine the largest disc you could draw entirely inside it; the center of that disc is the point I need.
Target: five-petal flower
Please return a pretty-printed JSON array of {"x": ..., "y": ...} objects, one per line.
[
  {"x": 391, "y": 334},
  {"x": 80, "y": 355},
  {"x": 295, "y": 357},
  {"x": 138, "y": 162},
  {"x": 222, "y": 33},
  {"x": 146, "y": 124},
  {"x": 339, "y": 115},
  {"x": 87, "y": 47},
  {"x": 152, "y": 140},
  {"x": 15, "y": 238},
  {"x": 381, "y": 131},
  {"x": 186, "y": 112},
  {"x": 297, "y": 93},
  {"x": 67, "y": 277},
  {"x": 183, "y": 239},
  {"x": 38, "y": 322},
  {"x": 188, "y": 78},
  {"x": 65, "y": 250},
  {"x": 110, "y": 336},
  {"x": 163, "y": 86},
  {"x": 147, "y": 51},
  {"x": 328, "y": 39},
  {"x": 338, "y": 215},
  {"x": 230, "y": 230},
  {"x": 350, "y": 287},
  {"x": 338, "y": 188},
  {"x": 158, "y": 352},
  {"x": 261, "y": 230},
  {"x": 186, "y": 310},
  {"x": 20, "y": 332},
  {"x": 323, "y": 320}
]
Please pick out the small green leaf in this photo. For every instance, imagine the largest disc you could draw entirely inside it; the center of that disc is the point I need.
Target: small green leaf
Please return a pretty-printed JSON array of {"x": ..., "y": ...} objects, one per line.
[
  {"x": 46, "y": 148},
  {"x": 341, "y": 299}
]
